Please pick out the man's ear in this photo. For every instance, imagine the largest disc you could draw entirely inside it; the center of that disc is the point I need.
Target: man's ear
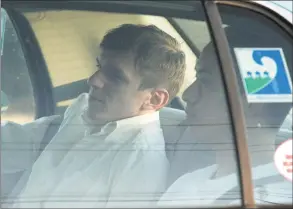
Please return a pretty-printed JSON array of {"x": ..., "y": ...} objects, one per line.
[{"x": 158, "y": 99}]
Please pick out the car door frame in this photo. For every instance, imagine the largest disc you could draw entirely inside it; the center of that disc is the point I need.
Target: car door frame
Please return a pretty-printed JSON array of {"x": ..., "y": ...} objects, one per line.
[{"x": 248, "y": 199}]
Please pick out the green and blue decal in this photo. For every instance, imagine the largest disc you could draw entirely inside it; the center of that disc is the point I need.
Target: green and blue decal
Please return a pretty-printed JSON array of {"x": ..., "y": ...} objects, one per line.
[{"x": 265, "y": 75}]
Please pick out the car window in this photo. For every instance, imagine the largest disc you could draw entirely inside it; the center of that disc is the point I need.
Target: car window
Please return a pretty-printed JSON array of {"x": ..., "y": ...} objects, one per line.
[
  {"x": 17, "y": 100},
  {"x": 198, "y": 148},
  {"x": 262, "y": 52}
]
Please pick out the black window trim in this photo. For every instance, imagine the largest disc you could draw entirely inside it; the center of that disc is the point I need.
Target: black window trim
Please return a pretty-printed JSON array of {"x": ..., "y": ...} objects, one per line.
[
  {"x": 37, "y": 69},
  {"x": 171, "y": 8}
]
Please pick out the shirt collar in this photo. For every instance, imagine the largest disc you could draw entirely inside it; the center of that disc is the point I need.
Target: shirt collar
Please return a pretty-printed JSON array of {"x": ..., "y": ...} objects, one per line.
[
  {"x": 92, "y": 125},
  {"x": 138, "y": 120}
]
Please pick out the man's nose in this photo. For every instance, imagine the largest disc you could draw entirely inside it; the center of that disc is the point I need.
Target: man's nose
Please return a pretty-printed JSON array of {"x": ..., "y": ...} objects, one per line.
[
  {"x": 191, "y": 94},
  {"x": 187, "y": 94},
  {"x": 96, "y": 80}
]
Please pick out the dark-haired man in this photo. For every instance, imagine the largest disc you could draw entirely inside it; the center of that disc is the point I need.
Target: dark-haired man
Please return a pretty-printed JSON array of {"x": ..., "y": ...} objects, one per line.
[{"x": 109, "y": 150}]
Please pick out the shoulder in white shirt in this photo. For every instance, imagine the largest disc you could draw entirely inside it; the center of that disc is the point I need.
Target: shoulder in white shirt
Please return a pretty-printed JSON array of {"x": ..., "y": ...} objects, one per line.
[{"x": 125, "y": 164}]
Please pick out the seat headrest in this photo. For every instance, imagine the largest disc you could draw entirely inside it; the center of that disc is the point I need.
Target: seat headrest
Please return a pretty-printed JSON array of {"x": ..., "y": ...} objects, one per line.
[
  {"x": 170, "y": 116},
  {"x": 170, "y": 119}
]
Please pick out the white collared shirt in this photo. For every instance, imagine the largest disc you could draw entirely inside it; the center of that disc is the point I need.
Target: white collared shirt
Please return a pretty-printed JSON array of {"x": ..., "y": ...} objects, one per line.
[{"x": 124, "y": 164}]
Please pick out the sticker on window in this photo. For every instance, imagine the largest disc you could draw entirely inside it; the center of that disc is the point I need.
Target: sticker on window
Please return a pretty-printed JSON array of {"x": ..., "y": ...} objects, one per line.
[
  {"x": 284, "y": 159},
  {"x": 265, "y": 75}
]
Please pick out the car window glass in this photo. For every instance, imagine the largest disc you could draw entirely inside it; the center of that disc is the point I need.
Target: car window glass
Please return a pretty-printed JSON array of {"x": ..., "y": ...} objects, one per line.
[
  {"x": 17, "y": 100},
  {"x": 197, "y": 146},
  {"x": 262, "y": 53}
]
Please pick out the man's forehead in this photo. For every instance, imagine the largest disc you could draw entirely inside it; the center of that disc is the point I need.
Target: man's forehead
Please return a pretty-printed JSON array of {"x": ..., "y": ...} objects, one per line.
[
  {"x": 115, "y": 61},
  {"x": 122, "y": 60},
  {"x": 115, "y": 55}
]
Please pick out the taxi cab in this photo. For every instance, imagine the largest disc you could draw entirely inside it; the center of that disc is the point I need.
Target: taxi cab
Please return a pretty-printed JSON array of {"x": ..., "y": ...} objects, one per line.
[{"x": 49, "y": 49}]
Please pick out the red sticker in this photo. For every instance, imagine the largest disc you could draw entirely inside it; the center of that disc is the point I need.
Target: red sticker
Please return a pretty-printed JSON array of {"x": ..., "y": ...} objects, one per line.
[{"x": 284, "y": 159}]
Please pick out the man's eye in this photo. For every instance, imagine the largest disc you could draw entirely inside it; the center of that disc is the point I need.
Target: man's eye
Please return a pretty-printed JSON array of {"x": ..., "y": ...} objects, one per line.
[{"x": 113, "y": 77}]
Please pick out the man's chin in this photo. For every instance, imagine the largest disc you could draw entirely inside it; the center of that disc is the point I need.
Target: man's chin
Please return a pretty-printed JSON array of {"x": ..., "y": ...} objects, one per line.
[{"x": 94, "y": 114}]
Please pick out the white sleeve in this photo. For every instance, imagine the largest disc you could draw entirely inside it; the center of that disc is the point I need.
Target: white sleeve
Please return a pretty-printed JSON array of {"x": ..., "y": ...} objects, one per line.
[
  {"x": 19, "y": 150},
  {"x": 20, "y": 143}
]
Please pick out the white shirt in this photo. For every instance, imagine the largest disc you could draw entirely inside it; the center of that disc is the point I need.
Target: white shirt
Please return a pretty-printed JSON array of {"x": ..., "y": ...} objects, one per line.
[
  {"x": 122, "y": 165},
  {"x": 198, "y": 189}
]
